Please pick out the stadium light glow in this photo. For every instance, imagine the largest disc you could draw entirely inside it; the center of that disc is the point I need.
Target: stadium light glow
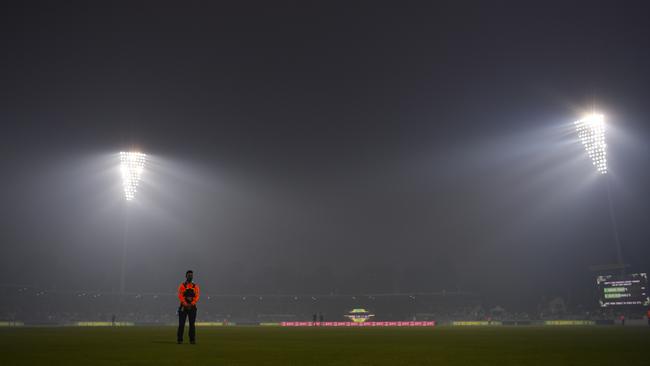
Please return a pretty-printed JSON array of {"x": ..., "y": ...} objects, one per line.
[
  {"x": 591, "y": 131},
  {"x": 132, "y": 165}
]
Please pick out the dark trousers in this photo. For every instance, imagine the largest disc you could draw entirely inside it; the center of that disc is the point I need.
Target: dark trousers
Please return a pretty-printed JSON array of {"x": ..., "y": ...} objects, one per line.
[{"x": 182, "y": 315}]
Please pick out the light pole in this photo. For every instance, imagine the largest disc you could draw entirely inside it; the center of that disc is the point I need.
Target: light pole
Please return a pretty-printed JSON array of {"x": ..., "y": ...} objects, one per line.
[
  {"x": 591, "y": 131},
  {"x": 131, "y": 166}
]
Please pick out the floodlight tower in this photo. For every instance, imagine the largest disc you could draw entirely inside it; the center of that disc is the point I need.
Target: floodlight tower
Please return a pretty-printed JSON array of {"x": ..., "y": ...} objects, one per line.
[
  {"x": 131, "y": 166},
  {"x": 591, "y": 131}
]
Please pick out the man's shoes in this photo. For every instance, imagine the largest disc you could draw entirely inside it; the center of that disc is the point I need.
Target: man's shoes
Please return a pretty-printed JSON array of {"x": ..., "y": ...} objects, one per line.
[
  {"x": 192, "y": 342},
  {"x": 179, "y": 342}
]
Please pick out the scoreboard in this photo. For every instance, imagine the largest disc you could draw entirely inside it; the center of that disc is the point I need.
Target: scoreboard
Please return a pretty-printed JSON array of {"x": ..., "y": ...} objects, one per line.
[{"x": 620, "y": 290}]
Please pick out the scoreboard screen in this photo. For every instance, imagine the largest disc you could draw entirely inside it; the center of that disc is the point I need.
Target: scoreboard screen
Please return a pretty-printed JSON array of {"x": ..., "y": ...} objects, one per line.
[{"x": 620, "y": 290}]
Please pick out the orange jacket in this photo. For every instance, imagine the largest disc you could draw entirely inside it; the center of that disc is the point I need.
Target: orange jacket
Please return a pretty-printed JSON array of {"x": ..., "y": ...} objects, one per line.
[{"x": 188, "y": 293}]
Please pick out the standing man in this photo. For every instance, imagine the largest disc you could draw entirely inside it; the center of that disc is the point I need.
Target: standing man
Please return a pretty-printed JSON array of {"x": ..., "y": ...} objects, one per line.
[{"x": 188, "y": 294}]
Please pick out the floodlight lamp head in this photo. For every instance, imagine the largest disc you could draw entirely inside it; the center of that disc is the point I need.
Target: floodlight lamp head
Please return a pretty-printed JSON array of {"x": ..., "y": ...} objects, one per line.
[
  {"x": 131, "y": 165},
  {"x": 591, "y": 131}
]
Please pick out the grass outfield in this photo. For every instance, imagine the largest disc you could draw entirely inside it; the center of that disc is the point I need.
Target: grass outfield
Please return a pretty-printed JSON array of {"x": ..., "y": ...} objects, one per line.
[{"x": 328, "y": 346}]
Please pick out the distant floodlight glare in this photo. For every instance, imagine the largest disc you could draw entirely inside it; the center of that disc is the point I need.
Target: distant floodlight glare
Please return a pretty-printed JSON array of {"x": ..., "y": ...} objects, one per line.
[
  {"x": 591, "y": 130},
  {"x": 132, "y": 165}
]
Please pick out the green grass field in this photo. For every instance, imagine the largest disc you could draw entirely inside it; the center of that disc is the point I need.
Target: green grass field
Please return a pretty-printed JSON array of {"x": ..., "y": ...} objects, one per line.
[{"x": 328, "y": 346}]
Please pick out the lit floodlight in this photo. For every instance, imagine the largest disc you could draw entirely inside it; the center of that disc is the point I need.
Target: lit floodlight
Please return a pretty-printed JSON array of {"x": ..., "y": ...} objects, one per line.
[
  {"x": 132, "y": 165},
  {"x": 591, "y": 131}
]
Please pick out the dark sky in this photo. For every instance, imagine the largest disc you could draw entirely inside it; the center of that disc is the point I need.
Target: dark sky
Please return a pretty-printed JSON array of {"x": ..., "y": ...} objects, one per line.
[{"x": 317, "y": 147}]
